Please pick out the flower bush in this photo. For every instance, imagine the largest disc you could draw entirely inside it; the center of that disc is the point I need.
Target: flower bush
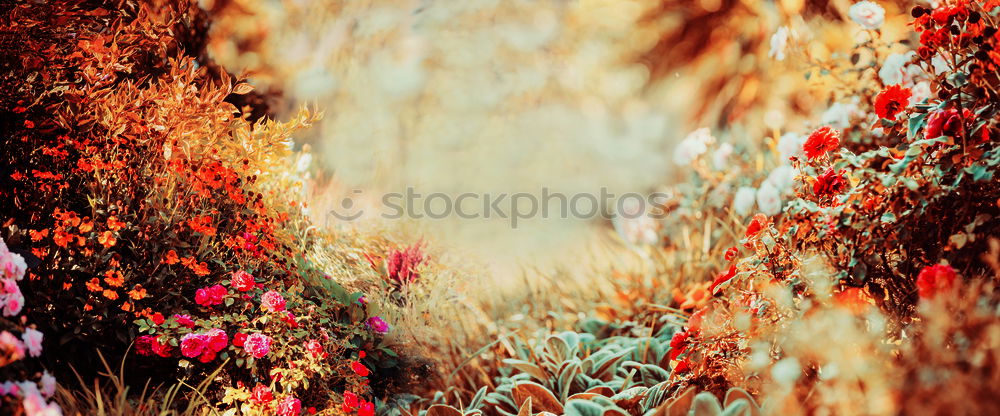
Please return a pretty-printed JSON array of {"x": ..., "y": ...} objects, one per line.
[{"x": 153, "y": 207}]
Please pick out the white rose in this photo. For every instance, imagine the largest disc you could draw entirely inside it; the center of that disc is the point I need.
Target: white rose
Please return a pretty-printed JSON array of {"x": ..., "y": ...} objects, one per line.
[
  {"x": 779, "y": 42},
  {"x": 789, "y": 145},
  {"x": 867, "y": 14},
  {"x": 892, "y": 70},
  {"x": 921, "y": 91},
  {"x": 839, "y": 115},
  {"x": 782, "y": 178},
  {"x": 744, "y": 200},
  {"x": 768, "y": 199},
  {"x": 694, "y": 145}
]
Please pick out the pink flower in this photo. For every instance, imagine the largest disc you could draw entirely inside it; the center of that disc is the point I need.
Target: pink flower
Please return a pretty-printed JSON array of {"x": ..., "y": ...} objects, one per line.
[
  {"x": 33, "y": 341},
  {"x": 314, "y": 348},
  {"x": 12, "y": 303},
  {"x": 377, "y": 324},
  {"x": 261, "y": 394},
  {"x": 185, "y": 321},
  {"x": 12, "y": 265},
  {"x": 217, "y": 339},
  {"x": 242, "y": 281},
  {"x": 402, "y": 264},
  {"x": 257, "y": 345},
  {"x": 192, "y": 345},
  {"x": 289, "y": 406},
  {"x": 272, "y": 301}
]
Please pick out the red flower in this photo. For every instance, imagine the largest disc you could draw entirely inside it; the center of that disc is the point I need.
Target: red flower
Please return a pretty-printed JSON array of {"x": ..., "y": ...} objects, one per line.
[
  {"x": 239, "y": 338},
  {"x": 184, "y": 320},
  {"x": 758, "y": 223},
  {"x": 350, "y": 402},
  {"x": 144, "y": 345},
  {"x": 161, "y": 347},
  {"x": 261, "y": 394},
  {"x": 891, "y": 101},
  {"x": 722, "y": 278},
  {"x": 242, "y": 281},
  {"x": 402, "y": 264},
  {"x": 360, "y": 369},
  {"x": 314, "y": 348},
  {"x": 367, "y": 409},
  {"x": 945, "y": 123},
  {"x": 732, "y": 253},
  {"x": 935, "y": 279},
  {"x": 28, "y": 124},
  {"x": 683, "y": 366},
  {"x": 821, "y": 141},
  {"x": 829, "y": 183},
  {"x": 157, "y": 319}
]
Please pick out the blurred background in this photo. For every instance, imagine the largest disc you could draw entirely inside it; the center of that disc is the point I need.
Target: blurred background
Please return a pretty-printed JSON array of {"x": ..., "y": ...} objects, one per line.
[{"x": 490, "y": 96}]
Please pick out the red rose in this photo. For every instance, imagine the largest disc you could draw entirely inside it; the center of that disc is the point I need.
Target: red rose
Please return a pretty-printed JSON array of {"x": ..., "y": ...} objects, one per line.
[
  {"x": 821, "y": 141},
  {"x": 945, "y": 123},
  {"x": 144, "y": 345},
  {"x": 758, "y": 223},
  {"x": 157, "y": 319},
  {"x": 829, "y": 183},
  {"x": 314, "y": 348},
  {"x": 261, "y": 394},
  {"x": 891, "y": 101},
  {"x": 239, "y": 338},
  {"x": 935, "y": 279},
  {"x": 242, "y": 281},
  {"x": 683, "y": 366},
  {"x": 367, "y": 409},
  {"x": 161, "y": 347},
  {"x": 360, "y": 369},
  {"x": 722, "y": 278},
  {"x": 350, "y": 402},
  {"x": 732, "y": 253},
  {"x": 185, "y": 321}
]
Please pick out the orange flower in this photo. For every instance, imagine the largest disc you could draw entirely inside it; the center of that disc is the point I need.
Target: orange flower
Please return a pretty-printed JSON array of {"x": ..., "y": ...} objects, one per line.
[
  {"x": 821, "y": 141},
  {"x": 110, "y": 294},
  {"x": 127, "y": 306},
  {"x": 113, "y": 278},
  {"x": 38, "y": 235},
  {"x": 114, "y": 224},
  {"x": 86, "y": 225},
  {"x": 107, "y": 239},
  {"x": 94, "y": 285},
  {"x": 200, "y": 269},
  {"x": 138, "y": 293},
  {"x": 67, "y": 285},
  {"x": 62, "y": 238},
  {"x": 171, "y": 257}
]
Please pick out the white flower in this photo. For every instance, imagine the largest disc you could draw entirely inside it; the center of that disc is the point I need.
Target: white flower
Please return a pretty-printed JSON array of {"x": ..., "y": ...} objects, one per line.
[
  {"x": 12, "y": 265},
  {"x": 782, "y": 178},
  {"x": 779, "y": 42},
  {"x": 867, "y": 14},
  {"x": 744, "y": 200},
  {"x": 790, "y": 145},
  {"x": 939, "y": 65},
  {"x": 48, "y": 384},
  {"x": 768, "y": 199},
  {"x": 786, "y": 371},
  {"x": 921, "y": 91},
  {"x": 894, "y": 67},
  {"x": 720, "y": 158},
  {"x": 33, "y": 341},
  {"x": 839, "y": 115},
  {"x": 641, "y": 230},
  {"x": 694, "y": 145}
]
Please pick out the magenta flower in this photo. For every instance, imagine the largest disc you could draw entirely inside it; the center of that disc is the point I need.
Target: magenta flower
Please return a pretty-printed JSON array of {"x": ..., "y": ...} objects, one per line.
[
  {"x": 377, "y": 324},
  {"x": 289, "y": 406},
  {"x": 192, "y": 345}
]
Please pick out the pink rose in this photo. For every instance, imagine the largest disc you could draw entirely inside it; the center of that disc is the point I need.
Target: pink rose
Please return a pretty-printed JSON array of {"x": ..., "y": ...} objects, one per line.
[
  {"x": 257, "y": 345},
  {"x": 10, "y": 343},
  {"x": 210, "y": 296},
  {"x": 12, "y": 303},
  {"x": 272, "y": 301},
  {"x": 192, "y": 345},
  {"x": 289, "y": 406},
  {"x": 33, "y": 341},
  {"x": 314, "y": 348},
  {"x": 242, "y": 281}
]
